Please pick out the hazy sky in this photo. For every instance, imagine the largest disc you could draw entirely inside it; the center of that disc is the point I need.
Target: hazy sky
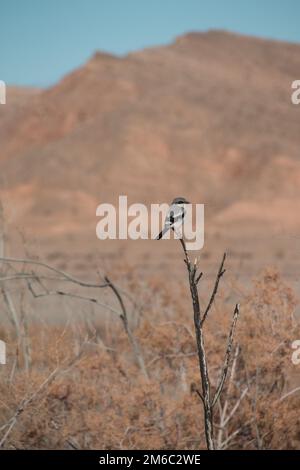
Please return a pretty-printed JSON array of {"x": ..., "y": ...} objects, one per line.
[{"x": 41, "y": 40}]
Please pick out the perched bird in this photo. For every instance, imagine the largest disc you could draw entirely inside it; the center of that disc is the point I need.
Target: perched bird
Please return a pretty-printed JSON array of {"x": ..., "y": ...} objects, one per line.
[{"x": 175, "y": 216}]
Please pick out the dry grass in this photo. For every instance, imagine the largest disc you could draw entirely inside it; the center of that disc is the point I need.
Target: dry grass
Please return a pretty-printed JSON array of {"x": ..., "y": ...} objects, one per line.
[{"x": 98, "y": 397}]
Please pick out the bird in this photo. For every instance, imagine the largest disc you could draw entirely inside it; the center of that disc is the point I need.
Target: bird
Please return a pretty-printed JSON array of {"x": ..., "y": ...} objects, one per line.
[{"x": 175, "y": 216}]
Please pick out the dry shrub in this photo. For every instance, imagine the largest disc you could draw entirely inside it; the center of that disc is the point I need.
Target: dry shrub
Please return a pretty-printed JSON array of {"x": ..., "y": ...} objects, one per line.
[{"x": 103, "y": 401}]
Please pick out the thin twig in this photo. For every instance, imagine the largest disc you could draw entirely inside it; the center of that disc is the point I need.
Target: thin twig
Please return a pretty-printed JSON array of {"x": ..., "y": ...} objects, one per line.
[
  {"x": 227, "y": 355},
  {"x": 75, "y": 296},
  {"x": 288, "y": 394},
  {"x": 132, "y": 339},
  {"x": 215, "y": 289},
  {"x": 51, "y": 268}
]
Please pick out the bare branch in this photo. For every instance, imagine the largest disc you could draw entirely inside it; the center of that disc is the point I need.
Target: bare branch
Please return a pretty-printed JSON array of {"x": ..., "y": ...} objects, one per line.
[
  {"x": 67, "y": 277},
  {"x": 227, "y": 355},
  {"x": 235, "y": 433},
  {"x": 205, "y": 395},
  {"x": 215, "y": 289},
  {"x": 288, "y": 394},
  {"x": 74, "y": 296},
  {"x": 200, "y": 396},
  {"x": 24, "y": 276},
  {"x": 124, "y": 318},
  {"x": 51, "y": 268},
  {"x": 237, "y": 404},
  {"x": 11, "y": 308}
]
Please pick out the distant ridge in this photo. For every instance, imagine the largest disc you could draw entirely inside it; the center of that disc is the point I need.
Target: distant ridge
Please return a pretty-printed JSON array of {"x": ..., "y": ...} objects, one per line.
[{"x": 208, "y": 116}]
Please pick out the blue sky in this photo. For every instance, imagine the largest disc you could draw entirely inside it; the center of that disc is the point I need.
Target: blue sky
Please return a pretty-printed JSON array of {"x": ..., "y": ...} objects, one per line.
[{"x": 42, "y": 40}]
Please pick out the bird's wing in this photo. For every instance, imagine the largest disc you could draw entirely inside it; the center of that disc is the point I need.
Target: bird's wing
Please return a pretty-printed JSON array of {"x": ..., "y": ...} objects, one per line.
[{"x": 175, "y": 214}]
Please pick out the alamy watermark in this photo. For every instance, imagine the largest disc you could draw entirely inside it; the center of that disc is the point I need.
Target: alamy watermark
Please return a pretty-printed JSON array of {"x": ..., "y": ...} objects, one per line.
[
  {"x": 139, "y": 221},
  {"x": 2, "y": 352},
  {"x": 295, "y": 97},
  {"x": 2, "y": 92},
  {"x": 296, "y": 353}
]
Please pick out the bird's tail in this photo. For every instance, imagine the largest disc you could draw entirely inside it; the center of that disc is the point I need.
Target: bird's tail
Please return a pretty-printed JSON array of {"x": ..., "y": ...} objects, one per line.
[{"x": 161, "y": 234}]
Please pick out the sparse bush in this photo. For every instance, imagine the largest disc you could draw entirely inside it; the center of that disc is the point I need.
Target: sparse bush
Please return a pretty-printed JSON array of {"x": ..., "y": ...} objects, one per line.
[{"x": 101, "y": 399}]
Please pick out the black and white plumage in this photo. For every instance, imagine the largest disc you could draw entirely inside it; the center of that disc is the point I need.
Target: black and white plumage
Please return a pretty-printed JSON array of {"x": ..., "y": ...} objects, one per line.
[{"x": 175, "y": 216}]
